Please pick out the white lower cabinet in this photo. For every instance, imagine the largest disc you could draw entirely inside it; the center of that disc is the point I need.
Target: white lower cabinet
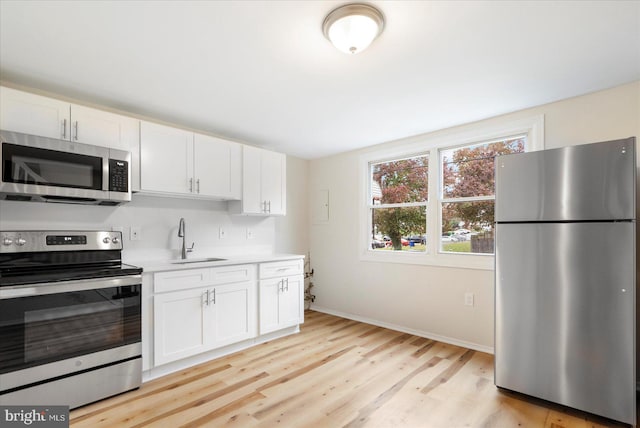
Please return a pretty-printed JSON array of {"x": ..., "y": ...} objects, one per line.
[
  {"x": 180, "y": 322},
  {"x": 197, "y": 310},
  {"x": 281, "y": 292},
  {"x": 215, "y": 314},
  {"x": 280, "y": 303}
]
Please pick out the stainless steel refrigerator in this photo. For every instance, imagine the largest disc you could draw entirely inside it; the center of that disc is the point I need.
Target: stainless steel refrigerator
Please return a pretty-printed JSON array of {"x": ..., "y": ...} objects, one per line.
[{"x": 565, "y": 296}]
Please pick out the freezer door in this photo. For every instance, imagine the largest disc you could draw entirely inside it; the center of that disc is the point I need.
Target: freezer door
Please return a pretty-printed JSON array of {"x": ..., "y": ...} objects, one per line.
[
  {"x": 565, "y": 314},
  {"x": 586, "y": 182}
]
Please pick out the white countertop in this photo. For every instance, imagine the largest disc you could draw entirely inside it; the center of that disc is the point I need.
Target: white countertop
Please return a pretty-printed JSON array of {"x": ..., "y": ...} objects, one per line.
[{"x": 166, "y": 265}]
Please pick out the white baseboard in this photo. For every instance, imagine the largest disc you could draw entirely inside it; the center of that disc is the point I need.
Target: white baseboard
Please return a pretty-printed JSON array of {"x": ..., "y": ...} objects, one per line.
[{"x": 403, "y": 329}]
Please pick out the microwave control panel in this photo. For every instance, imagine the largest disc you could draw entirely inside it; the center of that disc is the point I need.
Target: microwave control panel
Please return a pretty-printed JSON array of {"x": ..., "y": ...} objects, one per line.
[{"x": 118, "y": 175}]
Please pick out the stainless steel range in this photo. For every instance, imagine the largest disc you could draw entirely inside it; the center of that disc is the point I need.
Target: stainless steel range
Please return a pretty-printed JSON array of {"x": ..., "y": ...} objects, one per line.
[{"x": 70, "y": 321}]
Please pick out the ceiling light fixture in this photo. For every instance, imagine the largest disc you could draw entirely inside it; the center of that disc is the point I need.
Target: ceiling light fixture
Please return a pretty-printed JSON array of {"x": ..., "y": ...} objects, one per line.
[{"x": 352, "y": 27}]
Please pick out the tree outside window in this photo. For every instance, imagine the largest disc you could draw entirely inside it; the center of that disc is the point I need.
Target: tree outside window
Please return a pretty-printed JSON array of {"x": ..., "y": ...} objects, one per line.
[
  {"x": 468, "y": 194},
  {"x": 398, "y": 202}
]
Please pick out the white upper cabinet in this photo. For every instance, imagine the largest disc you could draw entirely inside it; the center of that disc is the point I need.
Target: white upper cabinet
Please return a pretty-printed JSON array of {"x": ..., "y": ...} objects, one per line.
[
  {"x": 177, "y": 162},
  {"x": 101, "y": 128},
  {"x": 33, "y": 114},
  {"x": 166, "y": 159},
  {"x": 217, "y": 167},
  {"x": 264, "y": 179},
  {"x": 37, "y": 115}
]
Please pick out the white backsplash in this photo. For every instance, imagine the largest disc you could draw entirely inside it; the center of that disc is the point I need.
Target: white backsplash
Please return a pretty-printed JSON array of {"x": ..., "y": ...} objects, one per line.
[{"x": 157, "y": 218}]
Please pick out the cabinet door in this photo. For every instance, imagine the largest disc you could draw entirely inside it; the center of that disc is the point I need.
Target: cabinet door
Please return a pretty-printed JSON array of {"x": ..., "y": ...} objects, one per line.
[
  {"x": 252, "y": 202},
  {"x": 292, "y": 301},
  {"x": 234, "y": 311},
  {"x": 101, "y": 128},
  {"x": 273, "y": 173},
  {"x": 166, "y": 159},
  {"x": 270, "y": 304},
  {"x": 217, "y": 168},
  {"x": 33, "y": 114},
  {"x": 180, "y": 320}
]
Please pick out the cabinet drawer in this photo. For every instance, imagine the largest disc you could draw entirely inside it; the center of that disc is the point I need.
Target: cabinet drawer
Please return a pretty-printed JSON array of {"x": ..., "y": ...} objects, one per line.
[
  {"x": 180, "y": 279},
  {"x": 284, "y": 268},
  {"x": 229, "y": 274}
]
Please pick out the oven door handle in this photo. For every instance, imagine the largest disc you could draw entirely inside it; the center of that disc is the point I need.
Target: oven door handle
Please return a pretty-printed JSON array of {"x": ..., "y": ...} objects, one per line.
[{"x": 40, "y": 289}]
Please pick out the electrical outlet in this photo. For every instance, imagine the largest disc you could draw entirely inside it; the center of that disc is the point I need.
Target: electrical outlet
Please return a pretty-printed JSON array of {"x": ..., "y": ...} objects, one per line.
[
  {"x": 249, "y": 233},
  {"x": 222, "y": 234},
  {"x": 135, "y": 233},
  {"x": 468, "y": 299}
]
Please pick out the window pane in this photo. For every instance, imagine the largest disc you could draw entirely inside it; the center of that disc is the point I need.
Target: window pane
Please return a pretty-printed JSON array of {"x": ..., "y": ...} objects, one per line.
[
  {"x": 399, "y": 229},
  {"x": 469, "y": 171},
  {"x": 467, "y": 227},
  {"x": 400, "y": 181}
]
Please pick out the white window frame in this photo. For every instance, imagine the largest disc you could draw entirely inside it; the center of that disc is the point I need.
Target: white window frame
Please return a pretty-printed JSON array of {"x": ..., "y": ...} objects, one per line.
[
  {"x": 432, "y": 144},
  {"x": 372, "y": 206},
  {"x": 447, "y": 200}
]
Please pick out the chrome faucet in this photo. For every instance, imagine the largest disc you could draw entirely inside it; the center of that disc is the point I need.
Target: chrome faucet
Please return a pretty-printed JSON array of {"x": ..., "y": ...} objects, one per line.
[{"x": 182, "y": 234}]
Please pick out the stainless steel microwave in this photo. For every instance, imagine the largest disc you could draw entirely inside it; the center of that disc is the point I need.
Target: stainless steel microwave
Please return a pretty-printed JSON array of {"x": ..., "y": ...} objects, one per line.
[{"x": 45, "y": 169}]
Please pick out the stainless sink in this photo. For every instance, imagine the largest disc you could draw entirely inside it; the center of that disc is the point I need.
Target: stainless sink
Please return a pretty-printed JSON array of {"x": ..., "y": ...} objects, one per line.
[{"x": 210, "y": 259}]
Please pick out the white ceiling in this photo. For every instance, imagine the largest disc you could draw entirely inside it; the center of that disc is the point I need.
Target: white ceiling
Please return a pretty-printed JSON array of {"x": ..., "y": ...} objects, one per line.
[{"x": 262, "y": 72}]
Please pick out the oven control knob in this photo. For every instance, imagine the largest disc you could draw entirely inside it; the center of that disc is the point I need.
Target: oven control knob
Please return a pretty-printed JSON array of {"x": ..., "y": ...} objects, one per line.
[
  {"x": 7, "y": 241},
  {"x": 21, "y": 241},
  {"x": 115, "y": 240},
  {"x": 105, "y": 239}
]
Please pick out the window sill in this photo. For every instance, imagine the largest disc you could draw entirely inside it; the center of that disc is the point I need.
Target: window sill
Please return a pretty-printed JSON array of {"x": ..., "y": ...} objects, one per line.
[{"x": 450, "y": 260}]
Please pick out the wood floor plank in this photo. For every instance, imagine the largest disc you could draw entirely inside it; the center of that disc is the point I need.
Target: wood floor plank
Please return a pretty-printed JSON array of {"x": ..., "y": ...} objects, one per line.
[{"x": 334, "y": 373}]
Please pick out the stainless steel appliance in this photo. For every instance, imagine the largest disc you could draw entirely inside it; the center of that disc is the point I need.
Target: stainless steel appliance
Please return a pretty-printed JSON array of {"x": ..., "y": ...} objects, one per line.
[
  {"x": 70, "y": 318},
  {"x": 565, "y": 296},
  {"x": 49, "y": 170}
]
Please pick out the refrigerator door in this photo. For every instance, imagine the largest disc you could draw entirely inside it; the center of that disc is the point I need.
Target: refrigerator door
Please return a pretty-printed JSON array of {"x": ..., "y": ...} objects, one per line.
[
  {"x": 586, "y": 182},
  {"x": 565, "y": 314}
]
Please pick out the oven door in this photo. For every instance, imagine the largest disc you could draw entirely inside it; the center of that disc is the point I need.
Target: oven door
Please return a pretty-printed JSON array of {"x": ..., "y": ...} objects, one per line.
[
  {"x": 33, "y": 165},
  {"x": 52, "y": 330}
]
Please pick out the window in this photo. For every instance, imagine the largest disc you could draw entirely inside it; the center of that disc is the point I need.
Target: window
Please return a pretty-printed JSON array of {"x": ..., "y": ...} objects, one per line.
[
  {"x": 398, "y": 198},
  {"x": 430, "y": 199},
  {"x": 467, "y": 194}
]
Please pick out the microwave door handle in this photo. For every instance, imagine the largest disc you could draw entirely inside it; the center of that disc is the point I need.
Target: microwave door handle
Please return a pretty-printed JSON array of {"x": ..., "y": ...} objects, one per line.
[{"x": 105, "y": 172}]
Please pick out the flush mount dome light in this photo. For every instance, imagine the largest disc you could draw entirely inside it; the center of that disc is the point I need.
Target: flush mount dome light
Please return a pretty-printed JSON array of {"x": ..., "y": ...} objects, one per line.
[{"x": 352, "y": 27}]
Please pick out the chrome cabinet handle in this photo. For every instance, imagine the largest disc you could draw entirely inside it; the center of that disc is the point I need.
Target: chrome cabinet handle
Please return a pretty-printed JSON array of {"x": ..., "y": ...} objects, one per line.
[
  {"x": 269, "y": 207},
  {"x": 287, "y": 288},
  {"x": 281, "y": 282},
  {"x": 212, "y": 296},
  {"x": 64, "y": 129},
  {"x": 191, "y": 185},
  {"x": 206, "y": 298},
  {"x": 76, "y": 126},
  {"x": 198, "y": 185}
]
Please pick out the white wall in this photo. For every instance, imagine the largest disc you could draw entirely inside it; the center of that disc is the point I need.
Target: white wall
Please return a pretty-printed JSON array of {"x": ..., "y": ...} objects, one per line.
[
  {"x": 158, "y": 219},
  {"x": 429, "y": 300}
]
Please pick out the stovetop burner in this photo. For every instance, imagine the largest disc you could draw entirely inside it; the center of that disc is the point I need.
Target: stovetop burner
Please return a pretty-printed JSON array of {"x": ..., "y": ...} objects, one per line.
[{"x": 47, "y": 276}]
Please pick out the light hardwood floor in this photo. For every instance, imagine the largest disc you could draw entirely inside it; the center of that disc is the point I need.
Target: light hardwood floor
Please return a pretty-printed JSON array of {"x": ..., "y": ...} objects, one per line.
[{"x": 335, "y": 373}]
